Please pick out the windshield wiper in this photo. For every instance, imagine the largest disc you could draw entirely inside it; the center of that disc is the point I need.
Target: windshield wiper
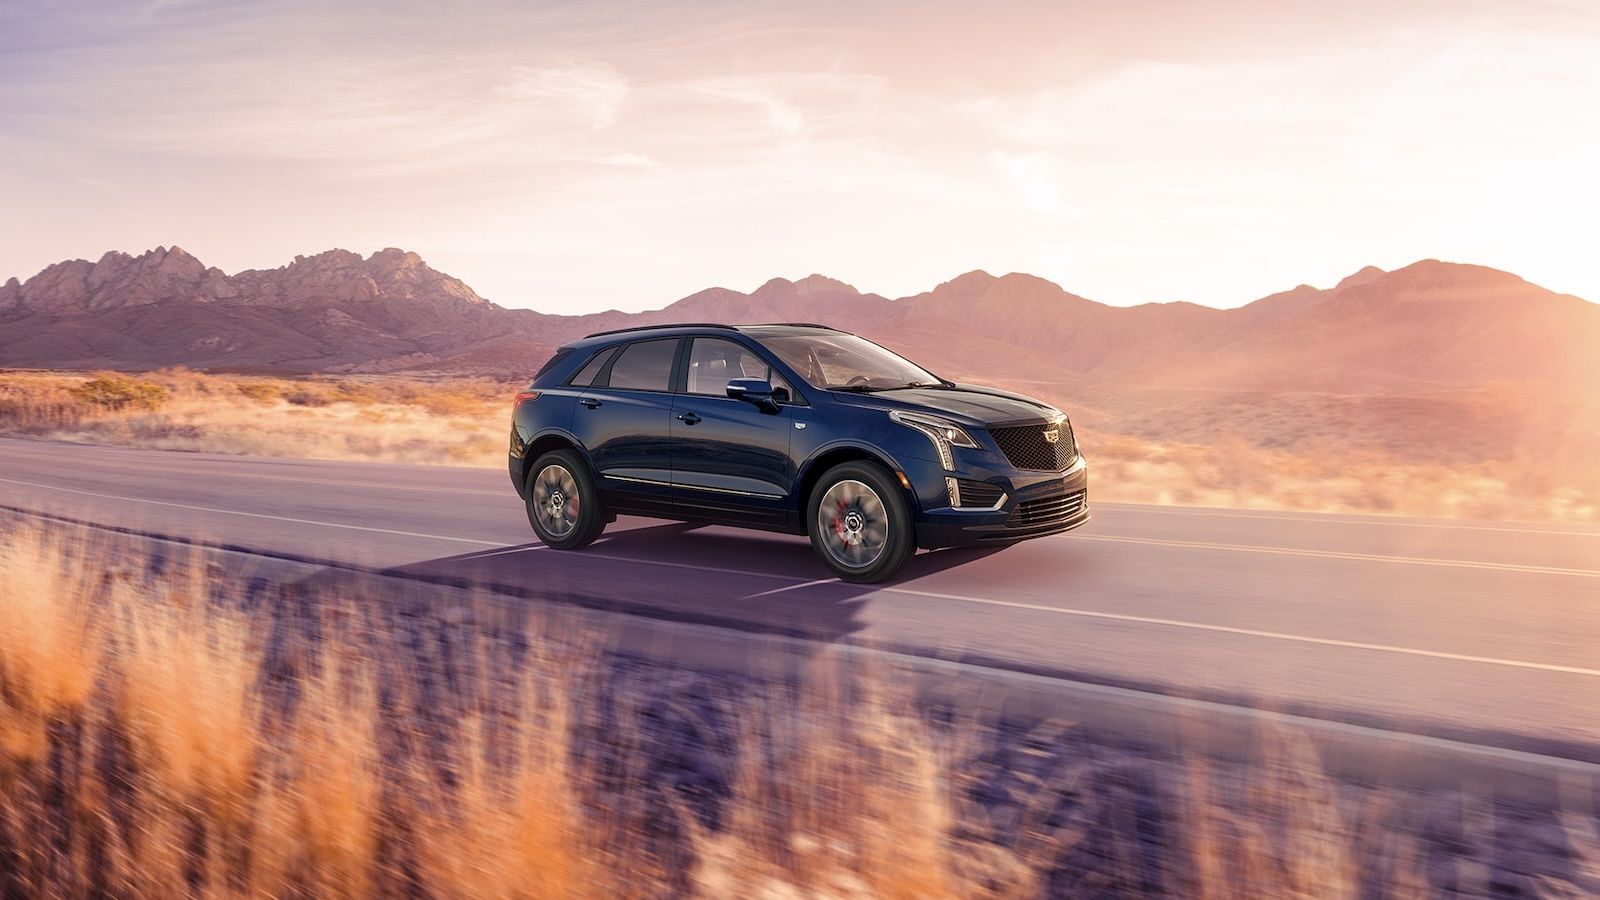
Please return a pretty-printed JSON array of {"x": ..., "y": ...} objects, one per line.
[
  {"x": 857, "y": 388},
  {"x": 918, "y": 384}
]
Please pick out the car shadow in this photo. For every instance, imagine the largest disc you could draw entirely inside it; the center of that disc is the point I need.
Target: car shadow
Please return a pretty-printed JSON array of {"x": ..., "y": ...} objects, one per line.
[{"x": 673, "y": 571}]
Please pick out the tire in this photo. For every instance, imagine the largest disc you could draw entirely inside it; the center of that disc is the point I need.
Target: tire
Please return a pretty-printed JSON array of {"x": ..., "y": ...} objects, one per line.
[
  {"x": 563, "y": 502},
  {"x": 864, "y": 533}
]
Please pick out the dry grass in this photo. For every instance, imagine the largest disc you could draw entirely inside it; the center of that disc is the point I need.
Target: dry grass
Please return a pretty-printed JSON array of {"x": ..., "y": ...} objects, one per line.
[
  {"x": 388, "y": 419},
  {"x": 1235, "y": 474},
  {"x": 842, "y": 797},
  {"x": 160, "y": 740}
]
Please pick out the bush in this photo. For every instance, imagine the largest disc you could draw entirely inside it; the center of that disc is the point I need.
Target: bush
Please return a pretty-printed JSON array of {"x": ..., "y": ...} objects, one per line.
[
  {"x": 303, "y": 397},
  {"x": 259, "y": 391},
  {"x": 118, "y": 392}
]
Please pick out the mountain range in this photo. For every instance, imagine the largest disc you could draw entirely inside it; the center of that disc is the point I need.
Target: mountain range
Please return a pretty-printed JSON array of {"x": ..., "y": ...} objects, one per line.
[{"x": 1455, "y": 345}]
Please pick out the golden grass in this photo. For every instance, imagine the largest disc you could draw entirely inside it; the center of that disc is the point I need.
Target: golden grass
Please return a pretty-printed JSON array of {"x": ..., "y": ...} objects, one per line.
[
  {"x": 155, "y": 747},
  {"x": 1235, "y": 474},
  {"x": 368, "y": 418},
  {"x": 50, "y": 651},
  {"x": 187, "y": 696},
  {"x": 331, "y": 798},
  {"x": 840, "y": 797}
]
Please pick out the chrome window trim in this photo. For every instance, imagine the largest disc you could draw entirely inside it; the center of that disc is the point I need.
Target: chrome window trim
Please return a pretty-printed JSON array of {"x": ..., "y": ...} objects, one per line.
[{"x": 692, "y": 487}]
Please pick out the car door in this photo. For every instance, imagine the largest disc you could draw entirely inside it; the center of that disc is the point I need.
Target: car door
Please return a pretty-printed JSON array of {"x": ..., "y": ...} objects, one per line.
[
  {"x": 624, "y": 417},
  {"x": 730, "y": 459}
]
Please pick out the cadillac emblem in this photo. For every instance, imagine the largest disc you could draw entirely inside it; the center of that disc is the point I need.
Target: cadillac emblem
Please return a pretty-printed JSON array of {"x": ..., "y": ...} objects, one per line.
[{"x": 1052, "y": 433}]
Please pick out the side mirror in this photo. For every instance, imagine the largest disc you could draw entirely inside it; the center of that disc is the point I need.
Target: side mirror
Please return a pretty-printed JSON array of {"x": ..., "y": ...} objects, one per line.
[{"x": 755, "y": 391}]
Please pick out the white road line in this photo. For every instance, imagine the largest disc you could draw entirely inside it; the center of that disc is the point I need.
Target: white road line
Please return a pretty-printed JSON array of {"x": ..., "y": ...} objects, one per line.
[
  {"x": 234, "y": 512},
  {"x": 792, "y": 587},
  {"x": 1335, "y": 519},
  {"x": 432, "y": 489},
  {"x": 1339, "y": 554},
  {"x": 1250, "y": 632},
  {"x": 266, "y": 476}
]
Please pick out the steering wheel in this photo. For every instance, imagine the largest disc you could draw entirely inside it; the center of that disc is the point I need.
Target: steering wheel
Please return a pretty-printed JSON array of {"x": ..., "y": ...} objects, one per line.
[{"x": 859, "y": 379}]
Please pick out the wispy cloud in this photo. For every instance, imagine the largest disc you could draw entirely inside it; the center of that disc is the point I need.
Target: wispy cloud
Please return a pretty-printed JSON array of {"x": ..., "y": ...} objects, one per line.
[{"x": 596, "y": 93}]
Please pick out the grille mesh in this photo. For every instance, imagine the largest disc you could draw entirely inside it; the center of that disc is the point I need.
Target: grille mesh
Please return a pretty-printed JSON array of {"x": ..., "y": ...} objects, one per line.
[
  {"x": 1050, "y": 510},
  {"x": 1026, "y": 448}
]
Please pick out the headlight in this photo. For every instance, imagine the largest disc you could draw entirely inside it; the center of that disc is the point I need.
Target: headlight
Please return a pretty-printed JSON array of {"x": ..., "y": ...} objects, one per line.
[{"x": 943, "y": 433}]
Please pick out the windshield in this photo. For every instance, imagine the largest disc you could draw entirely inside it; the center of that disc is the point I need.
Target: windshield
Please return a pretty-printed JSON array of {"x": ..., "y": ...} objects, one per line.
[{"x": 834, "y": 361}]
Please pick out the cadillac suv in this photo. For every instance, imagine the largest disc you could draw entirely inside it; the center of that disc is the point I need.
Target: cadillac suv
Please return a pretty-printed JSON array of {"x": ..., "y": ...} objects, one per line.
[{"x": 793, "y": 428}]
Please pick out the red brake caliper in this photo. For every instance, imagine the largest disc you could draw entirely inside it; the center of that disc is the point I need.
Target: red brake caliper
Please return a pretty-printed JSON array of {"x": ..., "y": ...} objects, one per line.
[{"x": 838, "y": 520}]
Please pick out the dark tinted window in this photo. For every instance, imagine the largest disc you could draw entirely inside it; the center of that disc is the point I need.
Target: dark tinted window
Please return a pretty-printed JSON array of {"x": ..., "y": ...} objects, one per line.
[
  {"x": 585, "y": 376},
  {"x": 645, "y": 366}
]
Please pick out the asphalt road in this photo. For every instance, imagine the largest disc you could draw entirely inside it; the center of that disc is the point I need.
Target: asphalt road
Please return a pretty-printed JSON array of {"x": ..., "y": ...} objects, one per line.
[{"x": 1478, "y": 631}]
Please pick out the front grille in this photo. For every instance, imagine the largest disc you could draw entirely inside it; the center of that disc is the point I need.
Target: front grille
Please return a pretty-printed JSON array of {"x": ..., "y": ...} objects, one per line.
[
  {"x": 978, "y": 494},
  {"x": 1025, "y": 446},
  {"x": 1048, "y": 511}
]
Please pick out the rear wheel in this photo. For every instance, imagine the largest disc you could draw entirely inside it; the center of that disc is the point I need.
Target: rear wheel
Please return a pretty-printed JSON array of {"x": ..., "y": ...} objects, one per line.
[
  {"x": 563, "y": 504},
  {"x": 860, "y": 523}
]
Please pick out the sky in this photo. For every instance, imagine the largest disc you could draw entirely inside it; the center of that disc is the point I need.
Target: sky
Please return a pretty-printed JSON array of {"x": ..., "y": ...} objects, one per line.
[{"x": 579, "y": 156}]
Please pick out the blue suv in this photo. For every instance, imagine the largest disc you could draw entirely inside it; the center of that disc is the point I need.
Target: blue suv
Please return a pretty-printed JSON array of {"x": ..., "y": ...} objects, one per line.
[{"x": 794, "y": 428}]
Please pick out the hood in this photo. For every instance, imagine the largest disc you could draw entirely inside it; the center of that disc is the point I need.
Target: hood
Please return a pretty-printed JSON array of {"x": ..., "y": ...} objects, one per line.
[{"x": 965, "y": 404}]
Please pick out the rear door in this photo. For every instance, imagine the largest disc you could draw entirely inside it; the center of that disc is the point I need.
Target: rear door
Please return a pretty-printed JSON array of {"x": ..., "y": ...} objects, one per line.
[
  {"x": 624, "y": 419},
  {"x": 729, "y": 458}
]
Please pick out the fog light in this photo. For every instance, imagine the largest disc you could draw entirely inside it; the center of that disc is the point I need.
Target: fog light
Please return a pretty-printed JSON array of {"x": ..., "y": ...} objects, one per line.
[{"x": 952, "y": 488}]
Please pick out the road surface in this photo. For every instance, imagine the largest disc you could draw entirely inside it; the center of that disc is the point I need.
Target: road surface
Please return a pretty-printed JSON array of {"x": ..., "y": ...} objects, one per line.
[{"x": 1477, "y": 631}]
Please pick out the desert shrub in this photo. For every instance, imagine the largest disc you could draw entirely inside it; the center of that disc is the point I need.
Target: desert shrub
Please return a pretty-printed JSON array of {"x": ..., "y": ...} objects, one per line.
[
  {"x": 29, "y": 406},
  {"x": 116, "y": 392},
  {"x": 259, "y": 391},
  {"x": 304, "y": 397}
]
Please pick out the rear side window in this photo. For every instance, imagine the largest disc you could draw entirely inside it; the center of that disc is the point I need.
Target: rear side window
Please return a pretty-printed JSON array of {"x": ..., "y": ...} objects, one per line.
[
  {"x": 585, "y": 376},
  {"x": 645, "y": 366}
]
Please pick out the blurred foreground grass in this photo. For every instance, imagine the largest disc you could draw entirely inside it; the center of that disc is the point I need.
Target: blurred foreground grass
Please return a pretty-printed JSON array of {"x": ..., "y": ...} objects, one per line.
[
  {"x": 171, "y": 728},
  {"x": 458, "y": 421}
]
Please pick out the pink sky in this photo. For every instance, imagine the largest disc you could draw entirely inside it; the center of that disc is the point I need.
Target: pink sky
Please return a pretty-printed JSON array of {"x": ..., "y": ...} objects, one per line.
[{"x": 579, "y": 156}]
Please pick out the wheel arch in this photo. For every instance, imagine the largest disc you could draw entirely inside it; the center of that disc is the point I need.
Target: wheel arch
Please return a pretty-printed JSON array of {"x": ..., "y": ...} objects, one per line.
[
  {"x": 544, "y": 443},
  {"x": 834, "y": 454}
]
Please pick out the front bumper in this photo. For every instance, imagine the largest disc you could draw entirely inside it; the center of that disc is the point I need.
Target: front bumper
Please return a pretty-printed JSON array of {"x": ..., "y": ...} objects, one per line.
[{"x": 1062, "y": 496}]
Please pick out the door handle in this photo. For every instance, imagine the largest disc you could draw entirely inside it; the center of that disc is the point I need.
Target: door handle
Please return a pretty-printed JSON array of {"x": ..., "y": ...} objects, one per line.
[
  {"x": 589, "y": 403},
  {"x": 688, "y": 418}
]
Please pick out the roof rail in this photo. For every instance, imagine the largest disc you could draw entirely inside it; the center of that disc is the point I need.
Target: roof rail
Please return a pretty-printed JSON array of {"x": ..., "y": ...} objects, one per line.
[
  {"x": 664, "y": 325},
  {"x": 802, "y": 325}
]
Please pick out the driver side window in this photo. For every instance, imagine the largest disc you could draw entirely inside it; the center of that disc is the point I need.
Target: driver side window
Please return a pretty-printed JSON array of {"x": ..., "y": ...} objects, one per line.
[{"x": 713, "y": 362}]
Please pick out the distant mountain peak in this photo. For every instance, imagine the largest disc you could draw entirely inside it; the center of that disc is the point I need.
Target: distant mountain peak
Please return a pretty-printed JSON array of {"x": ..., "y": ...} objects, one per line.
[
  {"x": 822, "y": 284},
  {"x": 977, "y": 278},
  {"x": 1366, "y": 274},
  {"x": 394, "y": 256},
  {"x": 811, "y": 285}
]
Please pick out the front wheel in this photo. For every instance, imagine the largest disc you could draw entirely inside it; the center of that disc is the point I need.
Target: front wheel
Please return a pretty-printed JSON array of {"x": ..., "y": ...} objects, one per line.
[
  {"x": 563, "y": 504},
  {"x": 860, "y": 523}
]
